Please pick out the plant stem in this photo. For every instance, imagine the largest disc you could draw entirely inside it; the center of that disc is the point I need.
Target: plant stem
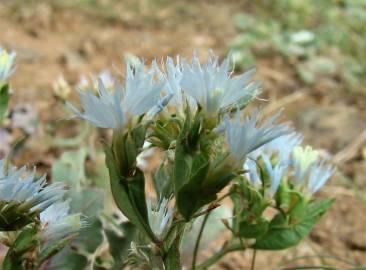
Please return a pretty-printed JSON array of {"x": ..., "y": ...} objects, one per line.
[
  {"x": 216, "y": 257},
  {"x": 253, "y": 259},
  {"x": 196, "y": 247}
]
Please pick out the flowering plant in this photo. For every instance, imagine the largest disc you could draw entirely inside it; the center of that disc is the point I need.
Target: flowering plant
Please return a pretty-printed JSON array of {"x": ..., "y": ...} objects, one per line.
[
  {"x": 35, "y": 223},
  {"x": 191, "y": 113}
]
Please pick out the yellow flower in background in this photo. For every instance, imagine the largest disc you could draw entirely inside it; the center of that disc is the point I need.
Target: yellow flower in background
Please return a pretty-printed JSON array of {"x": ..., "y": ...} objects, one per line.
[{"x": 6, "y": 65}]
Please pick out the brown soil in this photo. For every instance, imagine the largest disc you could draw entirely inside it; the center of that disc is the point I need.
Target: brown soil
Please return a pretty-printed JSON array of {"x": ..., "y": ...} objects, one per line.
[{"x": 51, "y": 39}]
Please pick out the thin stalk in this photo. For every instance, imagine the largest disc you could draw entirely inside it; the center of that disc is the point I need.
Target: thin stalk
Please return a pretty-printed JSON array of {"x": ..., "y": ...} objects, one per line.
[
  {"x": 196, "y": 247},
  {"x": 217, "y": 256},
  {"x": 253, "y": 259}
]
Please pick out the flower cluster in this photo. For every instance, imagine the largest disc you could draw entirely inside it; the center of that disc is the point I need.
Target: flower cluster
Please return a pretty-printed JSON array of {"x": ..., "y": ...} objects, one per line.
[
  {"x": 194, "y": 116},
  {"x": 57, "y": 223},
  {"x": 116, "y": 109},
  {"x": 301, "y": 165},
  {"x": 210, "y": 86},
  {"x": 24, "y": 197}
]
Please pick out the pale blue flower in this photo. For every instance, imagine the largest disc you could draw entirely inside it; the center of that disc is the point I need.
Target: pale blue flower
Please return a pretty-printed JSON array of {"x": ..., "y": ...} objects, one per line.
[
  {"x": 6, "y": 65},
  {"x": 22, "y": 187},
  {"x": 160, "y": 216},
  {"x": 247, "y": 136},
  {"x": 319, "y": 175},
  {"x": 115, "y": 109},
  {"x": 282, "y": 146},
  {"x": 213, "y": 86},
  {"x": 303, "y": 159},
  {"x": 251, "y": 166},
  {"x": 107, "y": 79},
  {"x": 172, "y": 76},
  {"x": 160, "y": 105},
  {"x": 275, "y": 173},
  {"x": 57, "y": 223}
]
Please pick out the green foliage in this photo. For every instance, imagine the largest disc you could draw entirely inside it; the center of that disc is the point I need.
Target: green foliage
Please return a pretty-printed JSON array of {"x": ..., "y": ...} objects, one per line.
[
  {"x": 283, "y": 233},
  {"x": 203, "y": 153},
  {"x": 25, "y": 241},
  {"x": 88, "y": 191}
]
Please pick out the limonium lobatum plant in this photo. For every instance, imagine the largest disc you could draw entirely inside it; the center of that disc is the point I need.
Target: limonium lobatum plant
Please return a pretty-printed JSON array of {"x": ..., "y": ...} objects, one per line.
[
  {"x": 35, "y": 223},
  {"x": 212, "y": 149}
]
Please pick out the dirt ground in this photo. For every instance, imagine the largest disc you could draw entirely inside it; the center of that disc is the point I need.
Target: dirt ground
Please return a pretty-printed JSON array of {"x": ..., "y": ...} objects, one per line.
[{"x": 53, "y": 39}]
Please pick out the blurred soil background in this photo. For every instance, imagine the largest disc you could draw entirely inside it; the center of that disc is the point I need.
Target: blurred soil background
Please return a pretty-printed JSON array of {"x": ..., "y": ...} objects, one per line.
[{"x": 83, "y": 37}]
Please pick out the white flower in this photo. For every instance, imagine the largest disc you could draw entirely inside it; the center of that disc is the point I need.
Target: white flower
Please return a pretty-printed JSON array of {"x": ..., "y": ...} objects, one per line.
[
  {"x": 6, "y": 65},
  {"x": 106, "y": 77},
  {"x": 23, "y": 195},
  {"x": 303, "y": 159},
  {"x": 247, "y": 136},
  {"x": 115, "y": 109},
  {"x": 275, "y": 174},
  {"x": 160, "y": 215},
  {"x": 212, "y": 85},
  {"x": 319, "y": 175},
  {"x": 282, "y": 146},
  {"x": 57, "y": 223},
  {"x": 171, "y": 75},
  {"x": 252, "y": 175}
]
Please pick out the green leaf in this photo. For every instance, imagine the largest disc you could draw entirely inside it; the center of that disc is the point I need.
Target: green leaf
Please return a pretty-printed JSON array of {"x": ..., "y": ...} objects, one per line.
[
  {"x": 51, "y": 251},
  {"x": 120, "y": 243},
  {"x": 127, "y": 146},
  {"x": 122, "y": 195},
  {"x": 68, "y": 259},
  {"x": 189, "y": 196},
  {"x": 163, "y": 181},
  {"x": 253, "y": 229},
  {"x": 136, "y": 187},
  {"x": 4, "y": 100},
  {"x": 25, "y": 241},
  {"x": 282, "y": 235}
]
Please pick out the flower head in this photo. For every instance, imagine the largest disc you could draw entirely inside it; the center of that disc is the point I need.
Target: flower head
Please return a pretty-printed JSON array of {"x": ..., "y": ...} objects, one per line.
[
  {"x": 247, "y": 136},
  {"x": 159, "y": 216},
  {"x": 212, "y": 85},
  {"x": 115, "y": 109},
  {"x": 319, "y": 175},
  {"x": 275, "y": 174},
  {"x": 23, "y": 196},
  {"x": 57, "y": 223},
  {"x": 303, "y": 159},
  {"x": 282, "y": 146},
  {"x": 252, "y": 175},
  {"x": 6, "y": 65},
  {"x": 171, "y": 75}
]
